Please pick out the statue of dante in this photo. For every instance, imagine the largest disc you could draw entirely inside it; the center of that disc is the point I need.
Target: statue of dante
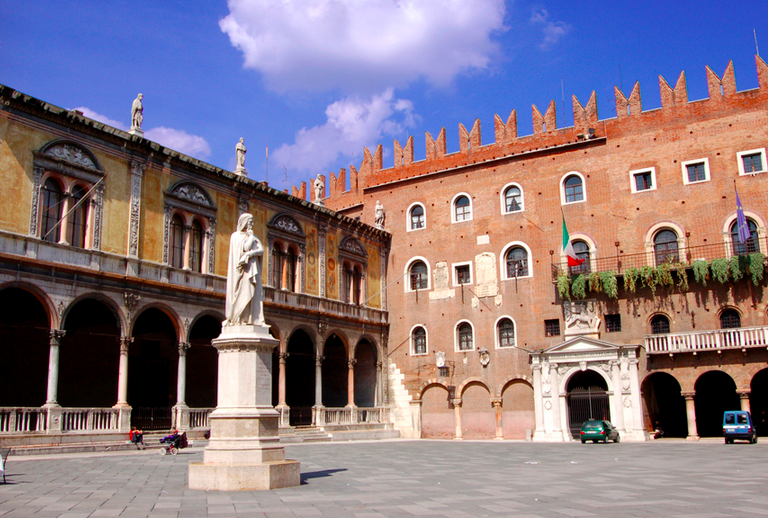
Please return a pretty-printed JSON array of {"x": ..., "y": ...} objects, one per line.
[
  {"x": 137, "y": 112},
  {"x": 244, "y": 302},
  {"x": 240, "y": 154}
]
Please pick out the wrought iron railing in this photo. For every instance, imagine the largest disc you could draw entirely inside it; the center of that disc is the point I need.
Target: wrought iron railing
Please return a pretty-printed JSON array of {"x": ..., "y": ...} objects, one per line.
[
  {"x": 713, "y": 340},
  {"x": 622, "y": 262}
]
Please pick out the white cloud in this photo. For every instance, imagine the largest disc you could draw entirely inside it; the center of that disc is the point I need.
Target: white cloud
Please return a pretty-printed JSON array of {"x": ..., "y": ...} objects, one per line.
[
  {"x": 178, "y": 140},
  {"x": 552, "y": 31},
  {"x": 352, "y": 123},
  {"x": 101, "y": 118},
  {"x": 353, "y": 44}
]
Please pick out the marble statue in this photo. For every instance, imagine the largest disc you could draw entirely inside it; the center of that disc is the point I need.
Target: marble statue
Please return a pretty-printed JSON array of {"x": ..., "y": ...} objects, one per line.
[
  {"x": 319, "y": 186},
  {"x": 240, "y": 151},
  {"x": 137, "y": 112},
  {"x": 380, "y": 216},
  {"x": 244, "y": 304}
]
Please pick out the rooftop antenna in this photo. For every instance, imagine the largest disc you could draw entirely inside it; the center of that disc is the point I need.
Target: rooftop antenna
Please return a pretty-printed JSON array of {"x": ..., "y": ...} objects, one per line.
[
  {"x": 757, "y": 50},
  {"x": 285, "y": 177}
]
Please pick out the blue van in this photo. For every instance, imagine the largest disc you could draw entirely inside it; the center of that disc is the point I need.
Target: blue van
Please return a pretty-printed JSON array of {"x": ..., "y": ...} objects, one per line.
[{"x": 737, "y": 424}]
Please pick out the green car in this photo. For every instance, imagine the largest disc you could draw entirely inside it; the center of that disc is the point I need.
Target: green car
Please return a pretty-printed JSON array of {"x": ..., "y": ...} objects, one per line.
[{"x": 594, "y": 431}]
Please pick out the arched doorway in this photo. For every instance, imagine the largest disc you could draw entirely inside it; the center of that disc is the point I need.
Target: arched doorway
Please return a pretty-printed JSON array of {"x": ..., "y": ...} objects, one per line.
[
  {"x": 89, "y": 356},
  {"x": 24, "y": 349},
  {"x": 478, "y": 419},
  {"x": 153, "y": 370},
  {"x": 517, "y": 413},
  {"x": 665, "y": 404},
  {"x": 437, "y": 415},
  {"x": 758, "y": 401},
  {"x": 335, "y": 373},
  {"x": 202, "y": 363},
  {"x": 587, "y": 395},
  {"x": 365, "y": 375},
  {"x": 300, "y": 378},
  {"x": 715, "y": 393}
]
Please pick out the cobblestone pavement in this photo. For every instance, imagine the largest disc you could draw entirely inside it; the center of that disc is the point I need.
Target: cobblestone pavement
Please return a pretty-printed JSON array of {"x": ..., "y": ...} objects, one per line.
[{"x": 412, "y": 478}]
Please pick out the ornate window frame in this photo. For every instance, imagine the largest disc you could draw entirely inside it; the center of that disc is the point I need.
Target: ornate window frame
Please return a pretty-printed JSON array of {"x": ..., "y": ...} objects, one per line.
[
  {"x": 286, "y": 231},
  {"x": 497, "y": 332},
  {"x": 457, "y": 336},
  {"x": 564, "y": 196},
  {"x": 503, "y": 260},
  {"x": 409, "y": 221},
  {"x": 413, "y": 342},
  {"x": 191, "y": 202},
  {"x": 454, "y": 201},
  {"x": 503, "y": 198},
  {"x": 353, "y": 253},
  {"x": 70, "y": 164},
  {"x": 407, "y": 273}
]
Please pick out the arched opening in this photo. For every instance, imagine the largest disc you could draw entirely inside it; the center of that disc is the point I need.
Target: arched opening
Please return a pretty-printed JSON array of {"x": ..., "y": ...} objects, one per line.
[
  {"x": 587, "y": 395},
  {"x": 758, "y": 401},
  {"x": 24, "y": 349},
  {"x": 665, "y": 404},
  {"x": 517, "y": 410},
  {"x": 300, "y": 378},
  {"x": 665, "y": 247},
  {"x": 153, "y": 369},
  {"x": 335, "y": 373},
  {"x": 478, "y": 419},
  {"x": 202, "y": 363},
  {"x": 89, "y": 356},
  {"x": 365, "y": 375},
  {"x": 715, "y": 393},
  {"x": 437, "y": 416}
]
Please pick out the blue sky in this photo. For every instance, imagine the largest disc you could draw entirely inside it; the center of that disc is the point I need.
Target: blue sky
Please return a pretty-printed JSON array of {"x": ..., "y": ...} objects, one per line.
[{"x": 317, "y": 80}]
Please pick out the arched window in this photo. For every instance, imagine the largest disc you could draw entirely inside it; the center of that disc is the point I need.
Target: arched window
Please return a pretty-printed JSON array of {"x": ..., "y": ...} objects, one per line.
[
  {"x": 77, "y": 218},
  {"x": 574, "y": 189},
  {"x": 516, "y": 260},
  {"x": 582, "y": 252},
  {"x": 665, "y": 247},
  {"x": 466, "y": 342},
  {"x": 419, "y": 277},
  {"x": 417, "y": 220},
  {"x": 506, "y": 333},
  {"x": 513, "y": 199},
  {"x": 660, "y": 325},
  {"x": 52, "y": 210},
  {"x": 750, "y": 245},
  {"x": 419, "y": 340},
  {"x": 462, "y": 209},
  {"x": 730, "y": 319},
  {"x": 352, "y": 280},
  {"x": 177, "y": 242},
  {"x": 196, "y": 247},
  {"x": 277, "y": 266}
]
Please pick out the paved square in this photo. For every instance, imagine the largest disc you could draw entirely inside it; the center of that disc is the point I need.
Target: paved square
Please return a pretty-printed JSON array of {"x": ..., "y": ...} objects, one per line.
[{"x": 412, "y": 478}]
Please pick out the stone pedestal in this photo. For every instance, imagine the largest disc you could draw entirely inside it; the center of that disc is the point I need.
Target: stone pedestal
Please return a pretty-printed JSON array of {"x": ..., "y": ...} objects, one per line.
[
  {"x": 136, "y": 131},
  {"x": 241, "y": 171},
  {"x": 244, "y": 452}
]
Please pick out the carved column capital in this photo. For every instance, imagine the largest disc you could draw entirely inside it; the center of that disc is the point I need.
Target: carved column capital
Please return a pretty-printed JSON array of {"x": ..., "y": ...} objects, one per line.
[
  {"x": 319, "y": 360},
  {"x": 56, "y": 336},
  {"x": 351, "y": 363},
  {"x": 125, "y": 342},
  {"x": 496, "y": 401},
  {"x": 456, "y": 402},
  {"x": 283, "y": 356},
  {"x": 688, "y": 395},
  {"x": 183, "y": 348}
]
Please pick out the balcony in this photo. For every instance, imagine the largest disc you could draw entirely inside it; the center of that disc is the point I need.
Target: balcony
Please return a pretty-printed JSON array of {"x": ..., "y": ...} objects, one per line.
[
  {"x": 742, "y": 338},
  {"x": 323, "y": 306}
]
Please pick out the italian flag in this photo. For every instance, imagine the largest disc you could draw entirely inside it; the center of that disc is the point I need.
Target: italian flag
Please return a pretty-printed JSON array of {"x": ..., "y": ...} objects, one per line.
[{"x": 568, "y": 248}]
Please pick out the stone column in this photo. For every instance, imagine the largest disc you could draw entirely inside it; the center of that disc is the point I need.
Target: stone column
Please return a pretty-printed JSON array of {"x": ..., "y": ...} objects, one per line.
[
  {"x": 187, "y": 247},
  {"x": 690, "y": 409},
  {"x": 244, "y": 452},
  {"x": 379, "y": 376},
  {"x": 64, "y": 222},
  {"x": 124, "y": 414},
  {"x": 538, "y": 400},
  {"x": 557, "y": 429},
  {"x": 318, "y": 418},
  {"x": 636, "y": 397},
  {"x": 180, "y": 409},
  {"x": 457, "y": 417},
  {"x": 134, "y": 222},
  {"x": 351, "y": 382},
  {"x": 282, "y": 406},
  {"x": 53, "y": 368},
  {"x": 496, "y": 402},
  {"x": 744, "y": 398},
  {"x": 618, "y": 398}
]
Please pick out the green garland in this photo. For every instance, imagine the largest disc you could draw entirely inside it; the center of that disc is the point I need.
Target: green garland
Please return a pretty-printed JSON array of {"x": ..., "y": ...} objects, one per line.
[
  {"x": 563, "y": 285},
  {"x": 735, "y": 266},
  {"x": 700, "y": 271},
  {"x": 610, "y": 285},
  {"x": 579, "y": 286},
  {"x": 720, "y": 269},
  {"x": 663, "y": 275},
  {"x": 682, "y": 278},
  {"x": 649, "y": 277},
  {"x": 756, "y": 267},
  {"x": 630, "y": 279}
]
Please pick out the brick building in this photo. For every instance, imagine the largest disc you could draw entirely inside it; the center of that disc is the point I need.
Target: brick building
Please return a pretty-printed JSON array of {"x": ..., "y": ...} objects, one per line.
[
  {"x": 492, "y": 335},
  {"x": 113, "y": 258}
]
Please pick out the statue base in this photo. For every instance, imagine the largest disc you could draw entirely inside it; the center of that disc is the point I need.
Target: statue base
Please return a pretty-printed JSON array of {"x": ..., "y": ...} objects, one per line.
[
  {"x": 241, "y": 171},
  {"x": 136, "y": 131},
  {"x": 244, "y": 452}
]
